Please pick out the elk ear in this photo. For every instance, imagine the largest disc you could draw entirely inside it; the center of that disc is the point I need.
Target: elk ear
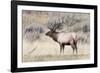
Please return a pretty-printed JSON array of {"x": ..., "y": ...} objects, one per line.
[{"x": 53, "y": 31}]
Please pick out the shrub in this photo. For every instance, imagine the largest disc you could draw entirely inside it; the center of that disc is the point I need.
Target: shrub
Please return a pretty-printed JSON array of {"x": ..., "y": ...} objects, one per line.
[{"x": 33, "y": 32}]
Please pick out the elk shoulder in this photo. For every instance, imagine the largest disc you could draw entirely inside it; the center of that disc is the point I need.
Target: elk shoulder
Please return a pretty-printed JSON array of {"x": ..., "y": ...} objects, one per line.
[{"x": 65, "y": 37}]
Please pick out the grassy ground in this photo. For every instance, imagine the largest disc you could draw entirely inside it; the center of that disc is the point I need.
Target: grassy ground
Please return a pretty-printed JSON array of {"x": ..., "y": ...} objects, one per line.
[{"x": 48, "y": 50}]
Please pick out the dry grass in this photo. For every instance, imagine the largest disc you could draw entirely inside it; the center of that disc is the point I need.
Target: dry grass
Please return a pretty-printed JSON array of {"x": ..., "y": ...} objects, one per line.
[{"x": 48, "y": 50}]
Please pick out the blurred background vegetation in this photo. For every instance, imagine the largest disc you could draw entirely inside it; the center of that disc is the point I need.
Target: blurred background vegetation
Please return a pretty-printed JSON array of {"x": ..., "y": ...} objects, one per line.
[{"x": 35, "y": 24}]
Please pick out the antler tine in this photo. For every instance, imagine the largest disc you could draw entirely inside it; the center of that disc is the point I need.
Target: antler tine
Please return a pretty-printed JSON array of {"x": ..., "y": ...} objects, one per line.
[
  {"x": 50, "y": 26},
  {"x": 56, "y": 25}
]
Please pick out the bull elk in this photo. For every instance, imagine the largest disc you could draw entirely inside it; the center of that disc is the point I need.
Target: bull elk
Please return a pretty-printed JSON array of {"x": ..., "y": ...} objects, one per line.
[{"x": 63, "y": 38}]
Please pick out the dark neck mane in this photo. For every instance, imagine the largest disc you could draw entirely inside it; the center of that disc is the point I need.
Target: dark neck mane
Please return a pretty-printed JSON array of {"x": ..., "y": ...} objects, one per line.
[{"x": 54, "y": 36}]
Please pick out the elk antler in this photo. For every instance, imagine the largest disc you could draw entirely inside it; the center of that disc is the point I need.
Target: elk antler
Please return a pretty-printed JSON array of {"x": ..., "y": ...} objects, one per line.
[{"x": 57, "y": 24}]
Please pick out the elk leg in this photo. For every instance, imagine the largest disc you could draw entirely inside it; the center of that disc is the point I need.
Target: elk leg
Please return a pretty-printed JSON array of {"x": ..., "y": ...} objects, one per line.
[
  {"x": 76, "y": 48},
  {"x": 73, "y": 47},
  {"x": 75, "y": 43},
  {"x": 61, "y": 48}
]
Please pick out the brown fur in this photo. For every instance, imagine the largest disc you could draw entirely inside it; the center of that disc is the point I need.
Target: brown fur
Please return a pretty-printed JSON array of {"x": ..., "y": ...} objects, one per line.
[{"x": 72, "y": 41}]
